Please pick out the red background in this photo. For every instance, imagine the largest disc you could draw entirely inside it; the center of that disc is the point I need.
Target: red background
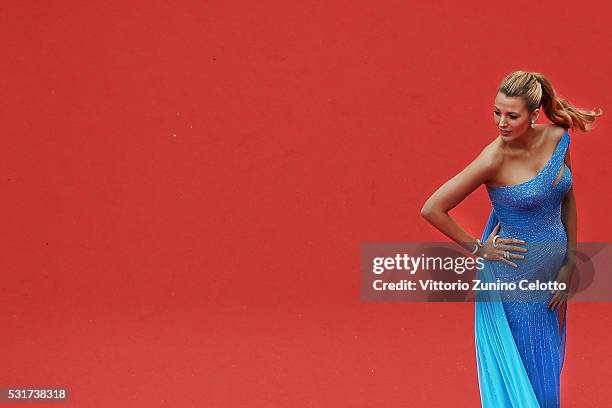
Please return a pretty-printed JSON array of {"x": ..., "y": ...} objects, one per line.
[{"x": 186, "y": 186}]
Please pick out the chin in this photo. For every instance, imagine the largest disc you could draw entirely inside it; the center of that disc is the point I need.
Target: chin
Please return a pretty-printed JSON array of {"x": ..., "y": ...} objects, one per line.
[{"x": 513, "y": 135}]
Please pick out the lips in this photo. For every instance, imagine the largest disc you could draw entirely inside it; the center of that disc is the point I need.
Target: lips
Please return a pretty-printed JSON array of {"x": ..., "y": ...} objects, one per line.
[{"x": 505, "y": 132}]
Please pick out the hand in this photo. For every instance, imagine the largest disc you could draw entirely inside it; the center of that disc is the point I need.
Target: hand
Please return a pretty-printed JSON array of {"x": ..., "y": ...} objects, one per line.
[
  {"x": 496, "y": 253},
  {"x": 559, "y": 297}
]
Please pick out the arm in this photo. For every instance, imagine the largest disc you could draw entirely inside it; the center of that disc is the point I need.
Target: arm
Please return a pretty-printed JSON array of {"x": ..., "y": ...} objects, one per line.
[
  {"x": 570, "y": 220},
  {"x": 436, "y": 208}
]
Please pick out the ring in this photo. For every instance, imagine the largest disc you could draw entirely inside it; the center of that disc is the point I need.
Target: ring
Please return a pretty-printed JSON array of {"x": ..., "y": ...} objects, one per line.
[
  {"x": 507, "y": 254},
  {"x": 495, "y": 239}
]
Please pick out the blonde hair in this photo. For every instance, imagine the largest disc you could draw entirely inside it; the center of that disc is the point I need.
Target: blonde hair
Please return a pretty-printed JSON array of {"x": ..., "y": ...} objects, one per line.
[{"x": 537, "y": 91}]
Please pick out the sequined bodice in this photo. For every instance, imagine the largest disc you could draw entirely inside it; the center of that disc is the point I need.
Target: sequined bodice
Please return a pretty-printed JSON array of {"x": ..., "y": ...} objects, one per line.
[{"x": 532, "y": 210}]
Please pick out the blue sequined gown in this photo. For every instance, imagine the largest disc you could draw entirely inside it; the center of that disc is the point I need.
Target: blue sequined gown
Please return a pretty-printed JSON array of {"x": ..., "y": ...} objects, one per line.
[{"x": 520, "y": 343}]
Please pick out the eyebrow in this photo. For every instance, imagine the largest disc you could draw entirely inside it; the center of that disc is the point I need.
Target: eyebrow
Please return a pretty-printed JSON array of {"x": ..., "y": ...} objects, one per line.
[{"x": 508, "y": 112}]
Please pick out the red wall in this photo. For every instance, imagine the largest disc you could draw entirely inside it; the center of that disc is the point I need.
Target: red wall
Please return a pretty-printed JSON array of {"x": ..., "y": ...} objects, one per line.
[{"x": 186, "y": 188}]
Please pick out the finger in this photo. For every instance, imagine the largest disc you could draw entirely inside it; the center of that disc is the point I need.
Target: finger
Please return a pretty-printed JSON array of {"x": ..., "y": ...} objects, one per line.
[
  {"x": 514, "y": 241},
  {"x": 516, "y": 256},
  {"x": 554, "y": 303},
  {"x": 502, "y": 252},
  {"x": 564, "y": 297},
  {"x": 511, "y": 241},
  {"x": 550, "y": 302},
  {"x": 511, "y": 248},
  {"x": 508, "y": 262},
  {"x": 560, "y": 303}
]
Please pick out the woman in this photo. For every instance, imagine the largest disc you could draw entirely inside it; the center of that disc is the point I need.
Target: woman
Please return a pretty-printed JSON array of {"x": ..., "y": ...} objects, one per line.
[{"x": 530, "y": 235}]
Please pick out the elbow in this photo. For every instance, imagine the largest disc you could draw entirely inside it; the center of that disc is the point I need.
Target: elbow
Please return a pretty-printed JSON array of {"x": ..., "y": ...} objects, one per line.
[
  {"x": 431, "y": 212},
  {"x": 427, "y": 212}
]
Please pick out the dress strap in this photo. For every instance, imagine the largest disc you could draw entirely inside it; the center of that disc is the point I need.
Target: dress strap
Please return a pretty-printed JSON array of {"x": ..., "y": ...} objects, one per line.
[
  {"x": 561, "y": 148},
  {"x": 553, "y": 168}
]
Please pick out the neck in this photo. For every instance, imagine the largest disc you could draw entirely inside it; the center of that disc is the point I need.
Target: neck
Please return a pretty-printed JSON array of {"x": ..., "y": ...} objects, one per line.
[{"x": 526, "y": 141}]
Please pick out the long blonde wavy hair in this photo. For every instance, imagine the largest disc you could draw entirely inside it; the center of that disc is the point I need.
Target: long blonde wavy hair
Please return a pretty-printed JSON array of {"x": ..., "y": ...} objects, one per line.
[{"x": 537, "y": 91}]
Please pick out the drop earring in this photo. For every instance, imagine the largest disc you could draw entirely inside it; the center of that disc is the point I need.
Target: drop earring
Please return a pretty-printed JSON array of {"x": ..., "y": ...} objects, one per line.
[{"x": 532, "y": 124}]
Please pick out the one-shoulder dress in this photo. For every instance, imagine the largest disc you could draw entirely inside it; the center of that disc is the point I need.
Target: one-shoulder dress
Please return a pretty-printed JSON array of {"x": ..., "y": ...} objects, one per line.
[{"x": 520, "y": 343}]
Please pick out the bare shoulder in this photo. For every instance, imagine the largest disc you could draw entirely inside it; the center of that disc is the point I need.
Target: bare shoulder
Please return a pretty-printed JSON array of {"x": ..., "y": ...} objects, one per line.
[
  {"x": 555, "y": 132},
  {"x": 491, "y": 157}
]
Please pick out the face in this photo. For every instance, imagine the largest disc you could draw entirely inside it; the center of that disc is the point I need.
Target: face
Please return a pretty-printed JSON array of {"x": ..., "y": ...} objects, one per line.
[{"x": 512, "y": 117}]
